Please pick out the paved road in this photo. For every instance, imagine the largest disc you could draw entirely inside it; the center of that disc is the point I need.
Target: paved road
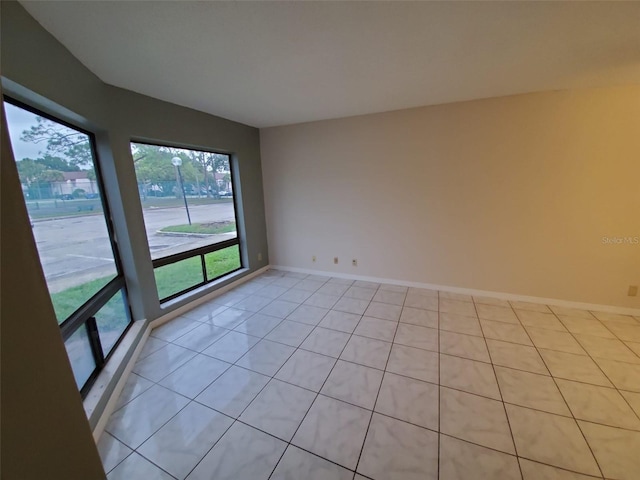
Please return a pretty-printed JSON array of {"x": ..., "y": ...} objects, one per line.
[{"x": 74, "y": 250}]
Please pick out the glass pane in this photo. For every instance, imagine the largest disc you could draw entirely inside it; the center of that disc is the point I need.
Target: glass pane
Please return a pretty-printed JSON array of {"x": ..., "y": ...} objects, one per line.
[
  {"x": 112, "y": 320},
  {"x": 80, "y": 355},
  {"x": 223, "y": 261},
  {"x": 178, "y": 276},
  {"x": 57, "y": 172},
  {"x": 186, "y": 196}
]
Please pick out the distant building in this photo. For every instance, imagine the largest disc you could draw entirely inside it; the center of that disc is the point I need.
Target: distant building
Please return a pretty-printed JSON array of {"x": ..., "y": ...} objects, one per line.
[
  {"x": 74, "y": 181},
  {"x": 223, "y": 180}
]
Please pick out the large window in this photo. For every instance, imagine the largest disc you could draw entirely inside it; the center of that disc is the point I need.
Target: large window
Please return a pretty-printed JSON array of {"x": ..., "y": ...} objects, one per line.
[
  {"x": 189, "y": 211},
  {"x": 70, "y": 220}
]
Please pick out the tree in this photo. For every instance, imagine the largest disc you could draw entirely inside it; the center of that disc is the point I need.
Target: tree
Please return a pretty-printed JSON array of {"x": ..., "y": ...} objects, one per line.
[
  {"x": 29, "y": 170},
  {"x": 208, "y": 162},
  {"x": 50, "y": 176},
  {"x": 34, "y": 173},
  {"x": 152, "y": 170},
  {"x": 57, "y": 163},
  {"x": 153, "y": 164},
  {"x": 198, "y": 158},
  {"x": 60, "y": 140}
]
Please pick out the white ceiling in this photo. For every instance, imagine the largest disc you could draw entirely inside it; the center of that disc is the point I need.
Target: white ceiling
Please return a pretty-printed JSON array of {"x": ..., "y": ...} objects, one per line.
[{"x": 266, "y": 64}]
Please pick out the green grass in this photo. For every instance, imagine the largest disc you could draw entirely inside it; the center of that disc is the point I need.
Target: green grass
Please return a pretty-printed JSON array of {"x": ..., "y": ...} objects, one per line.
[
  {"x": 223, "y": 261},
  {"x": 202, "y": 228},
  {"x": 179, "y": 276},
  {"x": 68, "y": 301},
  {"x": 170, "y": 279}
]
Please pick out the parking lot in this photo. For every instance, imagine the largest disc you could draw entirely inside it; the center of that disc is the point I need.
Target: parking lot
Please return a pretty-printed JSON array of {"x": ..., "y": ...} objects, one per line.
[{"x": 76, "y": 249}]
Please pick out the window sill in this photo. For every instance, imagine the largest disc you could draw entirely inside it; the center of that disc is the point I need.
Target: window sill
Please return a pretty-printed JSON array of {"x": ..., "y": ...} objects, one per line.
[
  {"x": 102, "y": 389},
  {"x": 201, "y": 294}
]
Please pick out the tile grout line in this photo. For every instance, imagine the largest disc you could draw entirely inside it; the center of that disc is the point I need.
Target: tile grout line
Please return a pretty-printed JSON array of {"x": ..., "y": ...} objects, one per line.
[
  {"x": 466, "y": 392},
  {"x": 354, "y": 362},
  {"x": 624, "y": 398},
  {"x": 449, "y": 388},
  {"x": 452, "y": 331},
  {"x": 236, "y": 419},
  {"x": 335, "y": 363},
  {"x": 562, "y": 395},
  {"x": 310, "y": 405},
  {"x": 504, "y": 407},
  {"x": 190, "y": 401},
  {"x": 383, "y": 375},
  {"x": 637, "y": 414},
  {"x": 440, "y": 388},
  {"x": 503, "y": 402},
  {"x": 318, "y": 392},
  {"x": 383, "y": 414},
  {"x": 135, "y": 450}
]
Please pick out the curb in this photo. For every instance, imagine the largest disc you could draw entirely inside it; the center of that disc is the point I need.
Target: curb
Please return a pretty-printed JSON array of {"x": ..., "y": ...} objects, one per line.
[{"x": 181, "y": 234}]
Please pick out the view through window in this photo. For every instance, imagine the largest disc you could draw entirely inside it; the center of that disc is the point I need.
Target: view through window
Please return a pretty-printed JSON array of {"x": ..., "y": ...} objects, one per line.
[
  {"x": 62, "y": 191},
  {"x": 189, "y": 211}
]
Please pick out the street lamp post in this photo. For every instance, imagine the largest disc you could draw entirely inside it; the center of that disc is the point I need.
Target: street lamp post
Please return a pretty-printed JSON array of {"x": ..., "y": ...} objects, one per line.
[
  {"x": 208, "y": 170},
  {"x": 177, "y": 161}
]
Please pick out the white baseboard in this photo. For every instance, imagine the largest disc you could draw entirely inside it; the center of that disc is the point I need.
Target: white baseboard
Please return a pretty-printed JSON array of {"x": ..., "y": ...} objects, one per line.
[{"x": 469, "y": 291}]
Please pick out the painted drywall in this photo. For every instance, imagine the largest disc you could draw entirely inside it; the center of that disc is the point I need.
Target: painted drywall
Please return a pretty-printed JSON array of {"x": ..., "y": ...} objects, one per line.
[
  {"x": 49, "y": 428},
  {"x": 510, "y": 194}
]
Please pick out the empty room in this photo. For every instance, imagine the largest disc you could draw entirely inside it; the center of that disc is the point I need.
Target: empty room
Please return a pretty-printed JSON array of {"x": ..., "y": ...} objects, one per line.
[{"x": 350, "y": 240}]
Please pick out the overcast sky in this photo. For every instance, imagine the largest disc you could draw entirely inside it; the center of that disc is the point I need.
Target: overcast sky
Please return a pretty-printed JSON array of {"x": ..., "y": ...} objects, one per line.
[{"x": 19, "y": 120}]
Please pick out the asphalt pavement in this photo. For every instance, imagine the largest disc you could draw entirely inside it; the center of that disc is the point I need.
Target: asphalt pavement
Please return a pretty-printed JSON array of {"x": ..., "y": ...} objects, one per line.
[{"x": 74, "y": 250}]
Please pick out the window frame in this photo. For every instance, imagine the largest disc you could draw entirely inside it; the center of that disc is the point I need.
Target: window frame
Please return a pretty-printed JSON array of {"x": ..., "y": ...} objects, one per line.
[
  {"x": 83, "y": 316},
  {"x": 198, "y": 251}
]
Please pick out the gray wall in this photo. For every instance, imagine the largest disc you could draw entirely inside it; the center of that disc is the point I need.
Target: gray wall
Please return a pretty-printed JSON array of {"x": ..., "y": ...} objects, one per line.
[{"x": 39, "y": 394}]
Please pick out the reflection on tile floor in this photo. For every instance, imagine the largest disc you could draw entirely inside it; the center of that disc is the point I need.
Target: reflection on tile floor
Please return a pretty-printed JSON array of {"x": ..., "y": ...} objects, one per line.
[{"x": 293, "y": 376}]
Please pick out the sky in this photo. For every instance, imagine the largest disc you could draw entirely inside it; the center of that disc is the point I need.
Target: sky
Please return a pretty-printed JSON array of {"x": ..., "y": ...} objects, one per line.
[{"x": 19, "y": 120}]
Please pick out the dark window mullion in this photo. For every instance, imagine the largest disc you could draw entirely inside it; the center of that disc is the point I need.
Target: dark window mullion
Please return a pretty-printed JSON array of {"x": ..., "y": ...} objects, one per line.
[
  {"x": 94, "y": 341},
  {"x": 84, "y": 316},
  {"x": 204, "y": 268},
  {"x": 198, "y": 285},
  {"x": 176, "y": 257},
  {"x": 91, "y": 307}
]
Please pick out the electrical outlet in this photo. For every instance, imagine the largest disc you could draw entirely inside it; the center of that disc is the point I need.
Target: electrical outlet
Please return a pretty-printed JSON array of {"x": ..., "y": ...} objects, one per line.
[
  {"x": 633, "y": 290},
  {"x": 354, "y": 262},
  {"x": 260, "y": 257},
  {"x": 313, "y": 258},
  {"x": 335, "y": 260}
]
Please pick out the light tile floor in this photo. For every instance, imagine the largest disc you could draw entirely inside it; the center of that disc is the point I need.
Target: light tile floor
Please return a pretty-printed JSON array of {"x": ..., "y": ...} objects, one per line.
[{"x": 292, "y": 376}]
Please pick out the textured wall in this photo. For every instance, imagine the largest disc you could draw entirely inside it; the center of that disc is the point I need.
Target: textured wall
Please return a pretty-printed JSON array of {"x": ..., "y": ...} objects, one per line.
[{"x": 510, "y": 194}]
